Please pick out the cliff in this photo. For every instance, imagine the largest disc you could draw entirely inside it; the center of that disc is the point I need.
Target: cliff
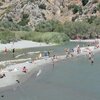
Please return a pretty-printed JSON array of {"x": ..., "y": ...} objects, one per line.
[{"x": 31, "y": 12}]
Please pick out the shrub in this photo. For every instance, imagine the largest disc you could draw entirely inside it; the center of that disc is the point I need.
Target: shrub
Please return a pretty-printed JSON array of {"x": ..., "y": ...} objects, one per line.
[
  {"x": 42, "y": 6},
  {"x": 91, "y": 19},
  {"x": 9, "y": 25},
  {"x": 97, "y": 21},
  {"x": 48, "y": 37},
  {"x": 24, "y": 20},
  {"x": 7, "y": 36},
  {"x": 1, "y": 4},
  {"x": 94, "y": 1},
  {"x": 98, "y": 7},
  {"x": 84, "y": 2},
  {"x": 3, "y": 0},
  {"x": 77, "y": 9},
  {"x": 73, "y": 28},
  {"x": 49, "y": 26}
]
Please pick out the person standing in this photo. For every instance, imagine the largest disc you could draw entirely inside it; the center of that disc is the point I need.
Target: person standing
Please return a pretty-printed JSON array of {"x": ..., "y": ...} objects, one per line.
[
  {"x": 5, "y": 50},
  {"x": 13, "y": 51},
  {"x": 92, "y": 60}
]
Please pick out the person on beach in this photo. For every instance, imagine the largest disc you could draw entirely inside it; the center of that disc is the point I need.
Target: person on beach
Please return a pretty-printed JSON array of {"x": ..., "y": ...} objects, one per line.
[
  {"x": 45, "y": 54},
  {"x": 13, "y": 51},
  {"x": 53, "y": 63},
  {"x": 92, "y": 60},
  {"x": 24, "y": 69},
  {"x": 49, "y": 53},
  {"x": 5, "y": 50},
  {"x": 40, "y": 55},
  {"x": 54, "y": 57},
  {"x": 97, "y": 46},
  {"x": 90, "y": 57},
  {"x": 17, "y": 81},
  {"x": 53, "y": 60},
  {"x": 78, "y": 50},
  {"x": 2, "y": 75},
  {"x": 67, "y": 52}
]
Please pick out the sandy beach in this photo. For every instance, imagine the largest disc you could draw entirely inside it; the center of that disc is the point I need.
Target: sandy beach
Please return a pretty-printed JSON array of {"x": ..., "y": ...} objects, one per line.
[
  {"x": 22, "y": 44},
  {"x": 14, "y": 72}
]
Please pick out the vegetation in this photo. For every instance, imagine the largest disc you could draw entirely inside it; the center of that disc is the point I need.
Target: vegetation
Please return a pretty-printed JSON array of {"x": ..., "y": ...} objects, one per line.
[
  {"x": 51, "y": 31},
  {"x": 7, "y": 36},
  {"x": 48, "y": 37},
  {"x": 84, "y": 2},
  {"x": 86, "y": 29},
  {"x": 24, "y": 20},
  {"x": 49, "y": 26},
  {"x": 75, "y": 8},
  {"x": 42, "y": 6},
  {"x": 9, "y": 25},
  {"x": 98, "y": 7}
]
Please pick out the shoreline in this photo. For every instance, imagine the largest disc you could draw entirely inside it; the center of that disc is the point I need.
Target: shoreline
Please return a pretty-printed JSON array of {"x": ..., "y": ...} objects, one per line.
[
  {"x": 23, "y": 44},
  {"x": 87, "y": 40},
  {"x": 14, "y": 72}
]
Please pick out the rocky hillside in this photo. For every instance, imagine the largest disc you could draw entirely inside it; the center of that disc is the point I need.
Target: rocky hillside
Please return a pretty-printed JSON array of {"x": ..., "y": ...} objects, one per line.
[{"x": 31, "y": 12}]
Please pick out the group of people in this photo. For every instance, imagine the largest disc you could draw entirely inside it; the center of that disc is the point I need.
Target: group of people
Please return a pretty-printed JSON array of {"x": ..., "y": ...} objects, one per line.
[
  {"x": 6, "y": 50},
  {"x": 77, "y": 50},
  {"x": 91, "y": 57}
]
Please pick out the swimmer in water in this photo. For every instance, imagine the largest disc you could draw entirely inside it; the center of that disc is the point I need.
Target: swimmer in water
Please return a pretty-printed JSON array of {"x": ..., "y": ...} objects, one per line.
[
  {"x": 17, "y": 81},
  {"x": 92, "y": 60}
]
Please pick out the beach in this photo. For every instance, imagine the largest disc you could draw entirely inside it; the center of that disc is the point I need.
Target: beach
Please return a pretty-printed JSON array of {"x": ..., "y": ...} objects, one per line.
[
  {"x": 14, "y": 71},
  {"x": 22, "y": 44}
]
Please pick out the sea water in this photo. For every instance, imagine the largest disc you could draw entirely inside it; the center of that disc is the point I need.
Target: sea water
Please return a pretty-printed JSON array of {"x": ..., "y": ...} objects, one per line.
[{"x": 70, "y": 79}]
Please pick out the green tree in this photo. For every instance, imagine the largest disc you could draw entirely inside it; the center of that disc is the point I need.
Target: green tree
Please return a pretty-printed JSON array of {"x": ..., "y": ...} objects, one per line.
[
  {"x": 84, "y": 2},
  {"x": 7, "y": 36},
  {"x": 24, "y": 20},
  {"x": 49, "y": 26},
  {"x": 97, "y": 21},
  {"x": 73, "y": 28},
  {"x": 77, "y": 9}
]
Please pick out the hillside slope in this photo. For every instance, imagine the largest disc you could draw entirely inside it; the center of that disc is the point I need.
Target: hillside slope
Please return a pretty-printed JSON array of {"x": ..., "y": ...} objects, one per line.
[{"x": 31, "y": 12}]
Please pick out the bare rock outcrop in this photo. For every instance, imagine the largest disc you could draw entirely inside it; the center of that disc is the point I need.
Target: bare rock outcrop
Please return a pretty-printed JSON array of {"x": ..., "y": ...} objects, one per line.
[{"x": 41, "y": 10}]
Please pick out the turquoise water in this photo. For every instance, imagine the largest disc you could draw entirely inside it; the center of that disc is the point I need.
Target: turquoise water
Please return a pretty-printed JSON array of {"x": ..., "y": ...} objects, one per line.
[{"x": 74, "y": 79}]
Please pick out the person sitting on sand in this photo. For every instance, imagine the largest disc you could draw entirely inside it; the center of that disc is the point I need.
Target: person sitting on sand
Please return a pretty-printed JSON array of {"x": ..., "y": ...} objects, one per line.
[
  {"x": 17, "y": 81},
  {"x": 24, "y": 69},
  {"x": 2, "y": 75}
]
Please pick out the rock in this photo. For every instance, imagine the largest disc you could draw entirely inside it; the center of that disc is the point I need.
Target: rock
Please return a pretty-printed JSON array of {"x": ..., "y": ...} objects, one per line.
[{"x": 41, "y": 10}]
